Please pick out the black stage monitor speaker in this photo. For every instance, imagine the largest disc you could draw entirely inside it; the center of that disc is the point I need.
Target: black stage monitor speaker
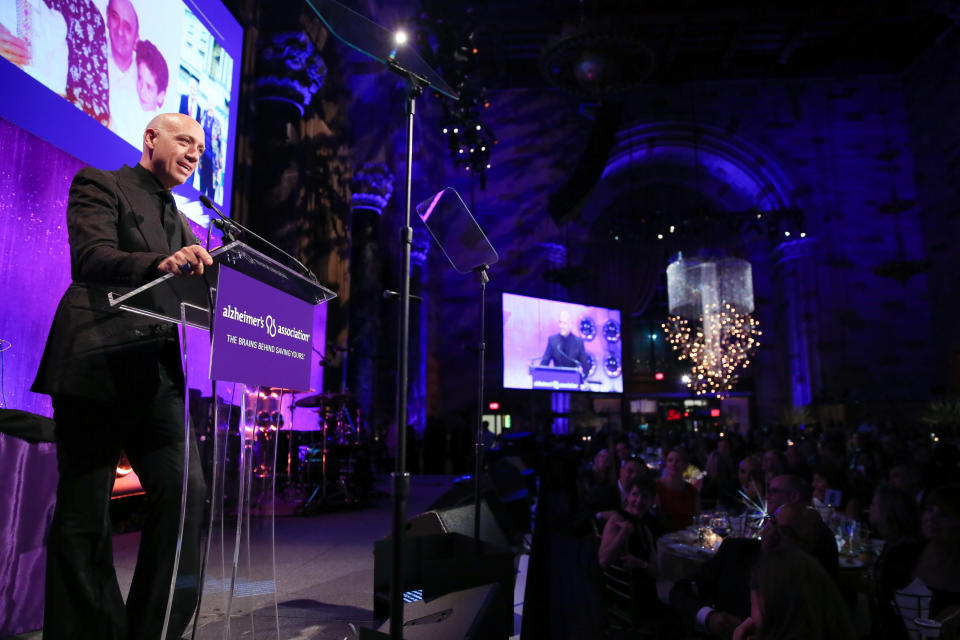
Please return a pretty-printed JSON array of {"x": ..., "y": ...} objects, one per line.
[
  {"x": 458, "y": 520},
  {"x": 461, "y": 615},
  {"x": 444, "y": 563}
]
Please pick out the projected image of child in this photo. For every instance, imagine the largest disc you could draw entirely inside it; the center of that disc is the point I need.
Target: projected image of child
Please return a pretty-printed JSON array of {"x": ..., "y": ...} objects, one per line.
[{"x": 152, "y": 78}]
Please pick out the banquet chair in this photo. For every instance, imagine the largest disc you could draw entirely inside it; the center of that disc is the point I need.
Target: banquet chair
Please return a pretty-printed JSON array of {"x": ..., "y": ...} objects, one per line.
[{"x": 912, "y": 603}]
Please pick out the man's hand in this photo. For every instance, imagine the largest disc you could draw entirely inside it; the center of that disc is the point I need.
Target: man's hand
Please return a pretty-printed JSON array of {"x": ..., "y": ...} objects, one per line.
[
  {"x": 14, "y": 49},
  {"x": 188, "y": 261},
  {"x": 722, "y": 624}
]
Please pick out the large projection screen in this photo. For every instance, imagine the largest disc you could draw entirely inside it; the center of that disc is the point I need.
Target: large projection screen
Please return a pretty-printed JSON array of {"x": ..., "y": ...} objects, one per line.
[
  {"x": 541, "y": 336},
  {"x": 88, "y": 75}
]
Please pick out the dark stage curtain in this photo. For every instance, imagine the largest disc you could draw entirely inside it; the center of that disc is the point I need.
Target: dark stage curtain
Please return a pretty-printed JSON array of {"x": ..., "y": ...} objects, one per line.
[{"x": 28, "y": 482}]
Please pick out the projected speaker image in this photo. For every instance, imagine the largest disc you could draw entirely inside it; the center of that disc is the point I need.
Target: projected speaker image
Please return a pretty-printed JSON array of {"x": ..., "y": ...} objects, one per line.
[{"x": 562, "y": 346}]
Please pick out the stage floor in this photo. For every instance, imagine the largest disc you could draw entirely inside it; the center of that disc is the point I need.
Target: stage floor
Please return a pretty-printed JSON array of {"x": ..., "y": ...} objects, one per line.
[{"x": 324, "y": 563}]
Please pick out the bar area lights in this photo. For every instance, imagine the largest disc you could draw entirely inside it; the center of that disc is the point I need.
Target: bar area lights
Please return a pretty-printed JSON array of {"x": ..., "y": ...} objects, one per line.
[{"x": 710, "y": 323}]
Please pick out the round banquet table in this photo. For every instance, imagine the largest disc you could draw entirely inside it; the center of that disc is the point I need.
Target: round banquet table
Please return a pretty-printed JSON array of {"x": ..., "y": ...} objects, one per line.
[{"x": 679, "y": 554}]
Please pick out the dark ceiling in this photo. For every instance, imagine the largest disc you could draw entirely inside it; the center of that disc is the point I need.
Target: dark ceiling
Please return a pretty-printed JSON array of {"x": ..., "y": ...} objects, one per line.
[{"x": 538, "y": 43}]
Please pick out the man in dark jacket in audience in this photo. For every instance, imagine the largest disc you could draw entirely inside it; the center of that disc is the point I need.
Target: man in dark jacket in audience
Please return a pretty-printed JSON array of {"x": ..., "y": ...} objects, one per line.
[{"x": 717, "y": 598}]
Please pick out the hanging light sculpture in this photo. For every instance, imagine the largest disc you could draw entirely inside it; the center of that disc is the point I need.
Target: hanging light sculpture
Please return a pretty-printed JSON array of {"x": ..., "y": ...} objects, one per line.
[{"x": 710, "y": 302}]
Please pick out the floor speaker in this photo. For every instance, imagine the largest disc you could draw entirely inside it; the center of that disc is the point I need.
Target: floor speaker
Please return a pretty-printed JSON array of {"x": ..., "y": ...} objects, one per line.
[
  {"x": 444, "y": 563},
  {"x": 458, "y": 520},
  {"x": 461, "y": 615}
]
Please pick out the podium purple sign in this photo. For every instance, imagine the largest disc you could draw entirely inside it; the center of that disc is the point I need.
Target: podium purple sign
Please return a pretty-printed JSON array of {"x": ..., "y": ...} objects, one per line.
[{"x": 261, "y": 336}]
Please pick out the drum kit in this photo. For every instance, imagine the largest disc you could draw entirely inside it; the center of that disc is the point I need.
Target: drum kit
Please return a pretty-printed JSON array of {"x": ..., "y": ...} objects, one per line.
[
  {"x": 327, "y": 458},
  {"x": 314, "y": 450}
]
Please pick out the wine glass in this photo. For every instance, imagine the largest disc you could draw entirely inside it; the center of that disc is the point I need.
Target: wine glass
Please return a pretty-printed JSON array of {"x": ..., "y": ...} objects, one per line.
[{"x": 720, "y": 526}]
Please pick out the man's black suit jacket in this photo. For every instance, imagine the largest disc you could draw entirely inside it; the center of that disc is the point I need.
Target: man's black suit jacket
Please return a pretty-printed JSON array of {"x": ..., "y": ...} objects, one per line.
[
  {"x": 117, "y": 239},
  {"x": 575, "y": 355},
  {"x": 722, "y": 582}
]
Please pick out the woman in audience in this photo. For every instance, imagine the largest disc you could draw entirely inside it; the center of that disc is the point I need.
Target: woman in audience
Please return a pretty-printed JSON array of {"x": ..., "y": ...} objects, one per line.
[
  {"x": 720, "y": 481},
  {"x": 602, "y": 471},
  {"x": 893, "y": 515},
  {"x": 774, "y": 464},
  {"x": 626, "y": 537},
  {"x": 629, "y": 544},
  {"x": 677, "y": 499},
  {"x": 923, "y": 570},
  {"x": 793, "y": 598},
  {"x": 749, "y": 483},
  {"x": 936, "y": 569},
  {"x": 829, "y": 478}
]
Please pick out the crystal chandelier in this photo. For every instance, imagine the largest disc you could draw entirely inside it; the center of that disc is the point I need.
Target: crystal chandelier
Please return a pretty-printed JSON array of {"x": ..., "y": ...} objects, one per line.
[{"x": 710, "y": 302}]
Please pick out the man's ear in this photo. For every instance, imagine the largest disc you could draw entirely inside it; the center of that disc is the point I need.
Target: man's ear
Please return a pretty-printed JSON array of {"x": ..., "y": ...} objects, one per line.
[{"x": 150, "y": 137}]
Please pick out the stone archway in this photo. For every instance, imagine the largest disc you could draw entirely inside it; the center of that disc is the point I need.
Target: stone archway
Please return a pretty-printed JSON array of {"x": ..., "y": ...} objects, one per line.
[
  {"x": 729, "y": 173},
  {"x": 729, "y": 169}
]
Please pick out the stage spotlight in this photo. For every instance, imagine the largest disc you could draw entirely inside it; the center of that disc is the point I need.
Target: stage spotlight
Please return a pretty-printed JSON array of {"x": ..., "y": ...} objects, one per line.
[{"x": 400, "y": 37}]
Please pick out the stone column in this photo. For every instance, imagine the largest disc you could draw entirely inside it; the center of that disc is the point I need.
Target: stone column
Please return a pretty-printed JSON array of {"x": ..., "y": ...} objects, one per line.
[
  {"x": 799, "y": 326},
  {"x": 289, "y": 73},
  {"x": 556, "y": 258},
  {"x": 372, "y": 188}
]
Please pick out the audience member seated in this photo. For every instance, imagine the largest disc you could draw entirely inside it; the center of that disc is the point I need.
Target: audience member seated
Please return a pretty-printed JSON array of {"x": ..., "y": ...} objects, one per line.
[
  {"x": 906, "y": 476},
  {"x": 627, "y": 537},
  {"x": 717, "y": 598},
  {"x": 893, "y": 515},
  {"x": 787, "y": 489},
  {"x": 609, "y": 498},
  {"x": 793, "y": 598},
  {"x": 796, "y": 464},
  {"x": 601, "y": 472},
  {"x": 629, "y": 545},
  {"x": 934, "y": 568},
  {"x": 894, "y": 518},
  {"x": 829, "y": 478},
  {"x": 677, "y": 499},
  {"x": 773, "y": 465},
  {"x": 749, "y": 482},
  {"x": 721, "y": 476},
  {"x": 622, "y": 451}
]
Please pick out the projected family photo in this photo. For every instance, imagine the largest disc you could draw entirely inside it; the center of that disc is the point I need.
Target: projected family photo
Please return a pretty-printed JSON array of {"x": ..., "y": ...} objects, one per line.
[
  {"x": 203, "y": 84},
  {"x": 122, "y": 62},
  {"x": 553, "y": 345}
]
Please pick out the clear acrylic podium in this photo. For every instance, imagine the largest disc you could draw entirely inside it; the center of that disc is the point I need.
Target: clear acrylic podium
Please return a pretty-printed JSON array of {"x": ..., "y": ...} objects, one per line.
[{"x": 259, "y": 337}]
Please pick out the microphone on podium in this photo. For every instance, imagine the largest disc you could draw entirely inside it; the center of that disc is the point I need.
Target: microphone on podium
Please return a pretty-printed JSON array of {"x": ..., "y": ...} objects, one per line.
[{"x": 229, "y": 229}]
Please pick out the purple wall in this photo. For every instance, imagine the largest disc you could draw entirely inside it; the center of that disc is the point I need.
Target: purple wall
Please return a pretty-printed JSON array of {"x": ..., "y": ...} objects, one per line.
[{"x": 34, "y": 272}]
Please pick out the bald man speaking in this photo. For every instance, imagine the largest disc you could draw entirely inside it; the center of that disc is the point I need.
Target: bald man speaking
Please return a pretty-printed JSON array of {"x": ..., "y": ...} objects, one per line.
[
  {"x": 117, "y": 384},
  {"x": 565, "y": 349}
]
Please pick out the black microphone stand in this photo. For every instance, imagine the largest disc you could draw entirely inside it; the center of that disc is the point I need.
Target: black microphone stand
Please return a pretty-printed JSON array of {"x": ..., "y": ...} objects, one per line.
[
  {"x": 401, "y": 478},
  {"x": 228, "y": 226},
  {"x": 481, "y": 271}
]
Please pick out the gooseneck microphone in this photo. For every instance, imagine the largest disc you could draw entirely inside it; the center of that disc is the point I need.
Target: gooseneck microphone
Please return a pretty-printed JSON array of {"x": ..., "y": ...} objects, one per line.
[{"x": 229, "y": 228}]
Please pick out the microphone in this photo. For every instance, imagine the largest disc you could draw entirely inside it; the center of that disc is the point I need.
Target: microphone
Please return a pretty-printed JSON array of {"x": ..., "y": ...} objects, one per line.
[
  {"x": 227, "y": 225},
  {"x": 226, "y": 228}
]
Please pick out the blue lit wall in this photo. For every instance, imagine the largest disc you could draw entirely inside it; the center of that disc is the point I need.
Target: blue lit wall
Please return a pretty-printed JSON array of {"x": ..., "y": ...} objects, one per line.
[{"x": 846, "y": 151}]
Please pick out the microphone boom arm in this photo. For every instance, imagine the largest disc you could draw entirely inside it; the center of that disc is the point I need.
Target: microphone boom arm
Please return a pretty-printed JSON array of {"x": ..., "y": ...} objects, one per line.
[{"x": 227, "y": 225}]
